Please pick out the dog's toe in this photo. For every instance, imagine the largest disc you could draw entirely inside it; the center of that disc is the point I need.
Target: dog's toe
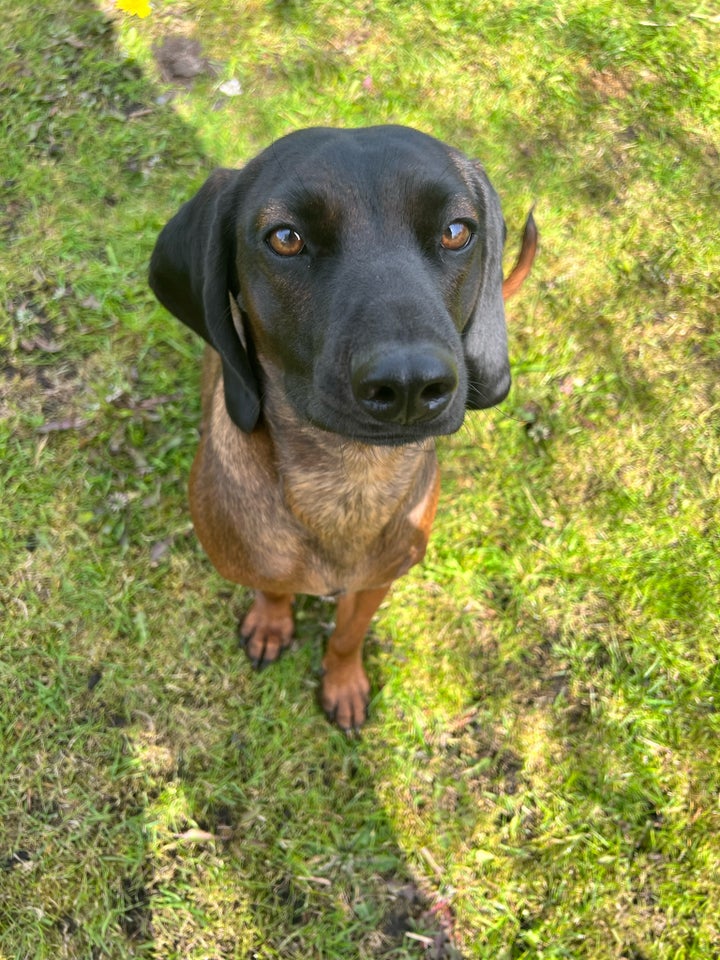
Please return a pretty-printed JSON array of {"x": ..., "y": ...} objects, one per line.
[
  {"x": 265, "y": 633},
  {"x": 344, "y": 695}
]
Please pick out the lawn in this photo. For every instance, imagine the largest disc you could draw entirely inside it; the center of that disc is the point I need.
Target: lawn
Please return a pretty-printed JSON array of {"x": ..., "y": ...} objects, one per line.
[{"x": 540, "y": 774}]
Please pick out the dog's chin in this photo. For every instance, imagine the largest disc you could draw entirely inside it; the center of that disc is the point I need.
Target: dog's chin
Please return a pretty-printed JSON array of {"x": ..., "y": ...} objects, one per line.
[{"x": 361, "y": 429}]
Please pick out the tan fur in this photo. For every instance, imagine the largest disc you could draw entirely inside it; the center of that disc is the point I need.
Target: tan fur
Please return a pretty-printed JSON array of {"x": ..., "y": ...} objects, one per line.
[{"x": 524, "y": 262}]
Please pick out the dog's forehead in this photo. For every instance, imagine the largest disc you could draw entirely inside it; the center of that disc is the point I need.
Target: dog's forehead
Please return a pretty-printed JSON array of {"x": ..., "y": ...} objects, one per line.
[
  {"x": 347, "y": 145},
  {"x": 375, "y": 161}
]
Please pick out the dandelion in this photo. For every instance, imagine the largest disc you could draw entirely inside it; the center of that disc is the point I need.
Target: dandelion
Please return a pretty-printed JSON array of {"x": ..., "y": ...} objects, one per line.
[{"x": 138, "y": 8}]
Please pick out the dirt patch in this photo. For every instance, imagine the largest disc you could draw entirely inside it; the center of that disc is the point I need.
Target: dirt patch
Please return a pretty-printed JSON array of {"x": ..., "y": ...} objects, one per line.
[
  {"x": 611, "y": 84},
  {"x": 180, "y": 60}
]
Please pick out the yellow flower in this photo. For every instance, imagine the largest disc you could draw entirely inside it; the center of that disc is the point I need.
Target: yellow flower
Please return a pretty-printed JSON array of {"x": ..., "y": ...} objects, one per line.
[{"x": 139, "y": 8}]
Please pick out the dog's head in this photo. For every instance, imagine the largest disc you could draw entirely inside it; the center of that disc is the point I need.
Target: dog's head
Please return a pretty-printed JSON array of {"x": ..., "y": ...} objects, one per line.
[{"x": 366, "y": 265}]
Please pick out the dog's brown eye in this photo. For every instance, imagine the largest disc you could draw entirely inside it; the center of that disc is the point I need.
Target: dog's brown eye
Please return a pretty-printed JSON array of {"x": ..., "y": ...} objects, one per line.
[
  {"x": 286, "y": 241},
  {"x": 456, "y": 236}
]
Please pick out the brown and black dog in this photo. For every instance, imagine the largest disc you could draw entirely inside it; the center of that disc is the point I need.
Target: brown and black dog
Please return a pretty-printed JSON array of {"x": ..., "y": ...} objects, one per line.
[{"x": 349, "y": 285}]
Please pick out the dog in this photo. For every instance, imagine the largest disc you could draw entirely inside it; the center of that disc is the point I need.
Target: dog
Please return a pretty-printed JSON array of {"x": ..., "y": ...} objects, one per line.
[{"x": 349, "y": 286}]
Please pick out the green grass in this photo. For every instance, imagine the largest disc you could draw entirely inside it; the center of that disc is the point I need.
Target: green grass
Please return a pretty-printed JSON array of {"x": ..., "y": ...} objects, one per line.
[{"x": 539, "y": 778}]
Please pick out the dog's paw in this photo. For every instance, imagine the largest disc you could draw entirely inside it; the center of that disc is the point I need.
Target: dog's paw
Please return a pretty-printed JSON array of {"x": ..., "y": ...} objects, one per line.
[
  {"x": 344, "y": 696},
  {"x": 266, "y": 632}
]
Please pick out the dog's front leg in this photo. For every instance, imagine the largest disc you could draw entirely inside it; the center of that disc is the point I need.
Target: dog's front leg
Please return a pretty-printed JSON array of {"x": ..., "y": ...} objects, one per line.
[
  {"x": 267, "y": 629},
  {"x": 345, "y": 688}
]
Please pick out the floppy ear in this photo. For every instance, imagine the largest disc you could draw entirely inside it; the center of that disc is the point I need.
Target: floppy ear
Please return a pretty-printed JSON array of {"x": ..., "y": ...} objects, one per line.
[
  {"x": 484, "y": 336},
  {"x": 192, "y": 269}
]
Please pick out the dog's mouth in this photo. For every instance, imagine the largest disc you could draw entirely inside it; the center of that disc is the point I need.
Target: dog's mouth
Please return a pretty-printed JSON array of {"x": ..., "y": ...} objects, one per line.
[{"x": 352, "y": 425}]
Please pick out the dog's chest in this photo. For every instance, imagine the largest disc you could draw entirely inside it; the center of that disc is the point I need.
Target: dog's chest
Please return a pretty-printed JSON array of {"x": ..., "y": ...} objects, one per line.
[
  {"x": 343, "y": 502},
  {"x": 353, "y": 505}
]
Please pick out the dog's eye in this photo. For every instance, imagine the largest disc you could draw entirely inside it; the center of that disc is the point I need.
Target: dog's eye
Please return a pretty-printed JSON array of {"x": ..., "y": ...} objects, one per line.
[
  {"x": 456, "y": 236},
  {"x": 286, "y": 241}
]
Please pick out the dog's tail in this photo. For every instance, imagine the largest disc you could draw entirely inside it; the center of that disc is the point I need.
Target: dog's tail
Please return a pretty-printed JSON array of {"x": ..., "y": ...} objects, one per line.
[{"x": 516, "y": 277}]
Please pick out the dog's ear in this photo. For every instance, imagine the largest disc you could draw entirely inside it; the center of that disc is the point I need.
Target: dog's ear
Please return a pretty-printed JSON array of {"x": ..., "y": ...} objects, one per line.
[
  {"x": 193, "y": 269},
  {"x": 484, "y": 336}
]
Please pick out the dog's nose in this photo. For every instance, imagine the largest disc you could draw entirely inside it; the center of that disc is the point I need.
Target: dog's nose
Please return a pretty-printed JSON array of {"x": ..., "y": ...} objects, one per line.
[{"x": 404, "y": 384}]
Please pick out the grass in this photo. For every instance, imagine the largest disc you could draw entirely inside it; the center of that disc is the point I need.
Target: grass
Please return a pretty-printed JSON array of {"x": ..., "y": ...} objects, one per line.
[{"x": 539, "y": 778}]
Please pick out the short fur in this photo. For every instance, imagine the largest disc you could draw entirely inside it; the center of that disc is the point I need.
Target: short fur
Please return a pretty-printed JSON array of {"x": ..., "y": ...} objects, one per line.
[{"x": 330, "y": 370}]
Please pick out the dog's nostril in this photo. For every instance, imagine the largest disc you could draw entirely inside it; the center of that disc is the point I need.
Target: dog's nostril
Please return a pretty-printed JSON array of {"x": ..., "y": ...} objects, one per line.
[
  {"x": 434, "y": 392},
  {"x": 382, "y": 395}
]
